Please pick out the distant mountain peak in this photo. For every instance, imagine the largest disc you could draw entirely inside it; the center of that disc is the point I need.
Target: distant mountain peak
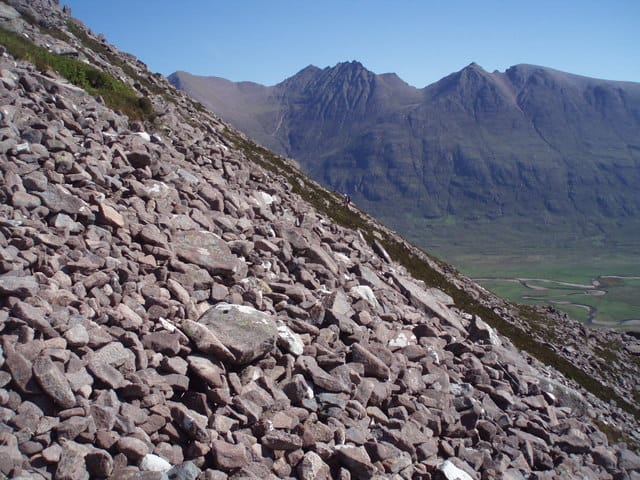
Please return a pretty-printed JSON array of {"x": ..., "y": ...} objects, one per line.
[
  {"x": 474, "y": 65},
  {"x": 309, "y": 69},
  {"x": 474, "y": 69},
  {"x": 350, "y": 69},
  {"x": 352, "y": 64}
]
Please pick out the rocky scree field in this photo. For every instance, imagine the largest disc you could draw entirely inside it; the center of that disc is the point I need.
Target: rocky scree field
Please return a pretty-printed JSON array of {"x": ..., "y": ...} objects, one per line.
[{"x": 178, "y": 303}]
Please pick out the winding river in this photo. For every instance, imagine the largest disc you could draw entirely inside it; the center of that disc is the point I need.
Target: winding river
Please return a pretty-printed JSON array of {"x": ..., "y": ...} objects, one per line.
[{"x": 593, "y": 289}]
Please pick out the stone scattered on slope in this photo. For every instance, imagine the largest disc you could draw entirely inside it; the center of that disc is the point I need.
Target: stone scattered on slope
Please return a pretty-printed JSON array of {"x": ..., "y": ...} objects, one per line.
[{"x": 170, "y": 309}]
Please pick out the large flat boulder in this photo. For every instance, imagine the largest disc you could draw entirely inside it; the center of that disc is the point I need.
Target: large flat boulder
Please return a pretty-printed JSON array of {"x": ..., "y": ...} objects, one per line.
[
  {"x": 206, "y": 250},
  {"x": 428, "y": 300},
  {"x": 246, "y": 332}
]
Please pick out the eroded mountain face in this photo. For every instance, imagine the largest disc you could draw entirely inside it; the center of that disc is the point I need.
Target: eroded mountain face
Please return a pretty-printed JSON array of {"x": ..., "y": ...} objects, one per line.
[
  {"x": 172, "y": 309},
  {"x": 530, "y": 141}
]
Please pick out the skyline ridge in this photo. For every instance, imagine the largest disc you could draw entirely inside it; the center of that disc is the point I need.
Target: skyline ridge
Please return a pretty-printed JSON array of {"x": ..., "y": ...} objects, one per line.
[{"x": 471, "y": 64}]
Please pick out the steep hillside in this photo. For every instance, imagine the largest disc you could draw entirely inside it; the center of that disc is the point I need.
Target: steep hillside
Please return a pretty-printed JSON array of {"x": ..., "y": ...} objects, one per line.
[
  {"x": 530, "y": 142},
  {"x": 176, "y": 302}
]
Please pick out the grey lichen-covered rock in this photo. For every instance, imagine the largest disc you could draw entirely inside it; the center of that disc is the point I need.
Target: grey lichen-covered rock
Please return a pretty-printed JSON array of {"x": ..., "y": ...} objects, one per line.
[
  {"x": 312, "y": 467},
  {"x": 184, "y": 471},
  {"x": 58, "y": 199},
  {"x": 479, "y": 330},
  {"x": 19, "y": 286},
  {"x": 290, "y": 341},
  {"x": 10, "y": 19},
  {"x": 564, "y": 395},
  {"x": 206, "y": 250},
  {"x": 246, "y": 332}
]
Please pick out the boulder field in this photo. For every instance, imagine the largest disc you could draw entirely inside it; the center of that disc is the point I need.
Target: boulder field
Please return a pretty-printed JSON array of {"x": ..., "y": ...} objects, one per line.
[{"x": 172, "y": 310}]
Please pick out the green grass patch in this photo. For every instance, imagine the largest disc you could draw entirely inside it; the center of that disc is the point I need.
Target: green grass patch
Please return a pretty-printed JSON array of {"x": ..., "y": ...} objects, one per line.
[
  {"x": 620, "y": 303},
  {"x": 507, "y": 289},
  {"x": 582, "y": 266},
  {"x": 116, "y": 94},
  {"x": 615, "y": 436},
  {"x": 101, "y": 49},
  {"x": 610, "y": 282}
]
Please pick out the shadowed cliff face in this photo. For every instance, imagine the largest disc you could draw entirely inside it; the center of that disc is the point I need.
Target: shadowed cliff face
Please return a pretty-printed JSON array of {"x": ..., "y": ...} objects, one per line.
[{"x": 529, "y": 141}]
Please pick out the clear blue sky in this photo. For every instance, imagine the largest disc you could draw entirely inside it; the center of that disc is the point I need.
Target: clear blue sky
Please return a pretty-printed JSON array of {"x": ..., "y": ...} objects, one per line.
[{"x": 266, "y": 41}]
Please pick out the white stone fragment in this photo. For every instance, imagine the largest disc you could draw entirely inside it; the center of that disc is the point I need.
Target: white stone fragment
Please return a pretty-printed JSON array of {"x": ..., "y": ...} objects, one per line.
[
  {"x": 154, "y": 463},
  {"x": 290, "y": 340},
  {"x": 143, "y": 135},
  {"x": 167, "y": 325},
  {"x": 342, "y": 258},
  {"x": 365, "y": 292},
  {"x": 263, "y": 199},
  {"x": 451, "y": 472},
  {"x": 23, "y": 148},
  {"x": 402, "y": 340}
]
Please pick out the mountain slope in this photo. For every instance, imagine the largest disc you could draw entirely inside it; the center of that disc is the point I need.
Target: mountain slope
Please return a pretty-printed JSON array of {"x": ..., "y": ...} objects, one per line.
[
  {"x": 176, "y": 302},
  {"x": 531, "y": 141}
]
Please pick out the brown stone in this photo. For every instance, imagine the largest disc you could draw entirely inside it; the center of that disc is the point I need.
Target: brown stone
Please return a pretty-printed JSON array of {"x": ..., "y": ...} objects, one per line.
[
  {"x": 356, "y": 459},
  {"x": 99, "y": 463},
  {"x": 110, "y": 216},
  {"x": 132, "y": 447},
  {"x": 71, "y": 465},
  {"x": 53, "y": 382},
  {"x": 163, "y": 342},
  {"x": 279, "y": 440},
  {"x": 207, "y": 370},
  {"x": 227, "y": 456}
]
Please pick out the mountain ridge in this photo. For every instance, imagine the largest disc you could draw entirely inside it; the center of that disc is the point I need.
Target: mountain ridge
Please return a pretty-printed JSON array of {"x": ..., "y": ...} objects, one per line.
[
  {"x": 472, "y": 98},
  {"x": 521, "y": 135}
]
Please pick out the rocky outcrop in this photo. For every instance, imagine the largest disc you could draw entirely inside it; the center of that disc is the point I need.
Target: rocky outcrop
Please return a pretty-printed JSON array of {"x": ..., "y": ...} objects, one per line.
[{"x": 170, "y": 309}]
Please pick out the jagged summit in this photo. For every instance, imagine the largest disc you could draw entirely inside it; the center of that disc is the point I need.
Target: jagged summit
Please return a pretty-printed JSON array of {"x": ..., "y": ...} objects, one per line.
[
  {"x": 177, "y": 302},
  {"x": 352, "y": 65},
  {"x": 470, "y": 77},
  {"x": 474, "y": 66}
]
